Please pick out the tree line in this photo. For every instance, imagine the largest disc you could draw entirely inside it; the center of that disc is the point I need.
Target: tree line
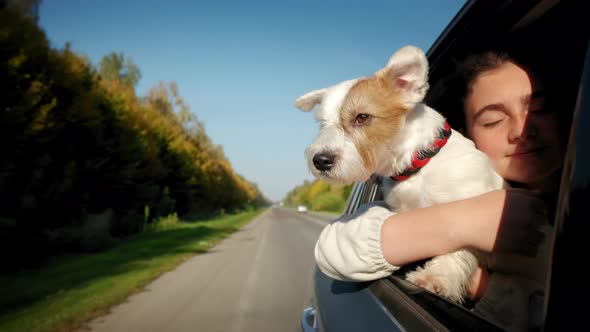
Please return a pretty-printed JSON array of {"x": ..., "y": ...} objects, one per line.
[
  {"x": 319, "y": 195},
  {"x": 76, "y": 142}
]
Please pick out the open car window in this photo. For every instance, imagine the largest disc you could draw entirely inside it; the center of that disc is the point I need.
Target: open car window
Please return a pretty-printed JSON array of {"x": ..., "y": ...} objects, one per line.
[{"x": 543, "y": 31}]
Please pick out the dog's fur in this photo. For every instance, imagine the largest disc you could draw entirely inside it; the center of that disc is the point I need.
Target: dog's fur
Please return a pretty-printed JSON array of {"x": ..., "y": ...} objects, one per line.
[{"x": 393, "y": 124}]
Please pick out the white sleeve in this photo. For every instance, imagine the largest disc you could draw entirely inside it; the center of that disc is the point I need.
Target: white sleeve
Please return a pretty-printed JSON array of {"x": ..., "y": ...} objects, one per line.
[{"x": 349, "y": 248}]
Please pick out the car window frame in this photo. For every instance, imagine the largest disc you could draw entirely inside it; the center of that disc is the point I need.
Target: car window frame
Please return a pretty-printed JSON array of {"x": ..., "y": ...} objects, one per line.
[{"x": 568, "y": 241}]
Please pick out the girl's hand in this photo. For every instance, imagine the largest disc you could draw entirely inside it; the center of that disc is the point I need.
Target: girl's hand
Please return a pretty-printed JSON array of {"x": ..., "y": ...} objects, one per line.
[{"x": 478, "y": 284}]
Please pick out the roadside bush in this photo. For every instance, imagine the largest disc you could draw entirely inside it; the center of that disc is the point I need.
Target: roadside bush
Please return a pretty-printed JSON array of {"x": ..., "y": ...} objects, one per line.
[
  {"x": 93, "y": 234},
  {"x": 328, "y": 201},
  {"x": 170, "y": 221},
  {"x": 319, "y": 196},
  {"x": 128, "y": 223}
]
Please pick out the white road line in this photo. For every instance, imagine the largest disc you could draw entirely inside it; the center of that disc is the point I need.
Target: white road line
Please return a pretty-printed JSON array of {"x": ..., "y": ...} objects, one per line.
[{"x": 250, "y": 283}]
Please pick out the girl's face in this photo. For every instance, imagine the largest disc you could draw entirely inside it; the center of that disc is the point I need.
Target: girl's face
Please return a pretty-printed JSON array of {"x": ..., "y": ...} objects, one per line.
[{"x": 506, "y": 118}]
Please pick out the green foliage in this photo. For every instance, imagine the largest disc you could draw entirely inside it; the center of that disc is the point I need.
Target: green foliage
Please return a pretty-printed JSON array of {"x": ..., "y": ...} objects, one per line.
[
  {"x": 328, "y": 201},
  {"x": 76, "y": 140},
  {"x": 27, "y": 8},
  {"x": 170, "y": 221},
  {"x": 166, "y": 203},
  {"x": 115, "y": 66},
  {"x": 319, "y": 196},
  {"x": 127, "y": 223}
]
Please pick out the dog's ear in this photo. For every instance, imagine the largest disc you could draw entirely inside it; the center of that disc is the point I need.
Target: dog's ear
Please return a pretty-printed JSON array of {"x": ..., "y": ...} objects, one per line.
[
  {"x": 408, "y": 67},
  {"x": 308, "y": 101}
]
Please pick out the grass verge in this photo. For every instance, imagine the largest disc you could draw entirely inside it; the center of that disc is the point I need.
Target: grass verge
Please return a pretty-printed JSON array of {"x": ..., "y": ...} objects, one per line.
[{"x": 72, "y": 290}]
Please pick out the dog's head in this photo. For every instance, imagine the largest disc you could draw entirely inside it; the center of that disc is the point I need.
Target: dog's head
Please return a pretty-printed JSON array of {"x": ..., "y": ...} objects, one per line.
[{"x": 360, "y": 119}]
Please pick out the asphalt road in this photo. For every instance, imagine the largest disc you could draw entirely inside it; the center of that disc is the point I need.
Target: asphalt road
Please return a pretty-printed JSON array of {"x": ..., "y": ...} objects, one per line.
[{"x": 258, "y": 279}]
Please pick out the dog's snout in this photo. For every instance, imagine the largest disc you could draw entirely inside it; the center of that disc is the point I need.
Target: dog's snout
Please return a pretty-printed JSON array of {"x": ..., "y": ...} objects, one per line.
[{"x": 323, "y": 161}]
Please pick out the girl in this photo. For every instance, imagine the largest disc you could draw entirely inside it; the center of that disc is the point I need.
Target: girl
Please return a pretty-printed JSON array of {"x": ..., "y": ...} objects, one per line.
[{"x": 505, "y": 116}]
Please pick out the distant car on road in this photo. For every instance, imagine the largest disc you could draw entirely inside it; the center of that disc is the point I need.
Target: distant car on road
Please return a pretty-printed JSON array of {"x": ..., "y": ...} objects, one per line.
[{"x": 302, "y": 208}]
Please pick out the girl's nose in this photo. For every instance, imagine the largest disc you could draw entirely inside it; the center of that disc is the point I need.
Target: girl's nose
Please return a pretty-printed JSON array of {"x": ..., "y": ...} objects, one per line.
[{"x": 522, "y": 128}]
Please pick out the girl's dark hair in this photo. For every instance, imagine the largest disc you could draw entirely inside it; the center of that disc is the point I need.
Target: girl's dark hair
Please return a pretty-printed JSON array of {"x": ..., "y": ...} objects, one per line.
[
  {"x": 475, "y": 64},
  {"x": 449, "y": 94}
]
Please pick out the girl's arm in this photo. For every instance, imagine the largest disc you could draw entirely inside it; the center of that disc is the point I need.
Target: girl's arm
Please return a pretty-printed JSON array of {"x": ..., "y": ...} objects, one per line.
[
  {"x": 500, "y": 221},
  {"x": 373, "y": 242}
]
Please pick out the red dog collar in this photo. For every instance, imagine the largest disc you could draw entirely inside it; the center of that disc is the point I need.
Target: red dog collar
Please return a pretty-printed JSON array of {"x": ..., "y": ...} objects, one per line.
[{"x": 421, "y": 158}]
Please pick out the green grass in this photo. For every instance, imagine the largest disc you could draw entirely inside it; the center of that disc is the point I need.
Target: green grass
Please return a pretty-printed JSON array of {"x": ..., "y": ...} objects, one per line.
[{"x": 72, "y": 290}]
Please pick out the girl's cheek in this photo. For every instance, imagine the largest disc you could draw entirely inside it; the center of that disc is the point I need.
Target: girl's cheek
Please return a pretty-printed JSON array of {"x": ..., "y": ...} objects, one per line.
[
  {"x": 487, "y": 142},
  {"x": 549, "y": 123},
  {"x": 548, "y": 130}
]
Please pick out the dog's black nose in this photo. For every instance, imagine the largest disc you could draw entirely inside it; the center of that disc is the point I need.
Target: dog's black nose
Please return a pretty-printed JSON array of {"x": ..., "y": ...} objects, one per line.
[{"x": 323, "y": 161}]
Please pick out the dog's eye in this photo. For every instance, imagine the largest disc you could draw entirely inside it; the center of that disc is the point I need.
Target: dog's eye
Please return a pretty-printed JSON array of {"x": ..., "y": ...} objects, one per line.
[{"x": 361, "y": 118}]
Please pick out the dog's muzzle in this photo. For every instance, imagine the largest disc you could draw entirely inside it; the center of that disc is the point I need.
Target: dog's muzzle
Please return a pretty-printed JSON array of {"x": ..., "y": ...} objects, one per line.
[{"x": 323, "y": 161}]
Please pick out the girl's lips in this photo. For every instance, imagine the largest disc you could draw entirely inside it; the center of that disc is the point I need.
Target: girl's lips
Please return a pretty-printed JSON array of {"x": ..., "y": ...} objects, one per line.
[{"x": 527, "y": 152}]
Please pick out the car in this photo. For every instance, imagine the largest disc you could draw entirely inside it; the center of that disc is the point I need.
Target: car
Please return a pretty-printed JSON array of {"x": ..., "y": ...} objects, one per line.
[
  {"x": 302, "y": 208},
  {"x": 393, "y": 304}
]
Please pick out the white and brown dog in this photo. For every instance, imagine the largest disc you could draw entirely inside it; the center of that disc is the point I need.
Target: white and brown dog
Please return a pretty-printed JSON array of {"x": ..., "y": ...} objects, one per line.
[{"x": 379, "y": 125}]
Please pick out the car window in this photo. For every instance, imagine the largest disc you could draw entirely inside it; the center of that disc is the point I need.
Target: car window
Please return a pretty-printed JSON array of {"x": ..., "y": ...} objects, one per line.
[
  {"x": 571, "y": 218},
  {"x": 539, "y": 29}
]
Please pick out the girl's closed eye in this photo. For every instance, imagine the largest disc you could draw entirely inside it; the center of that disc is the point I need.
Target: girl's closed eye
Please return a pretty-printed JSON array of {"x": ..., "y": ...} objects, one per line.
[
  {"x": 491, "y": 119},
  {"x": 492, "y": 124}
]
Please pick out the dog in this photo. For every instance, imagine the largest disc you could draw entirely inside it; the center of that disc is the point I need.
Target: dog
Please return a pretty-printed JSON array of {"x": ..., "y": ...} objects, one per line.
[{"x": 380, "y": 125}]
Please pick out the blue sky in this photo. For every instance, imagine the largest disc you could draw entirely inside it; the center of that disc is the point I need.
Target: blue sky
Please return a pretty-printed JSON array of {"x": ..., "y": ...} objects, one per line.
[{"x": 241, "y": 64}]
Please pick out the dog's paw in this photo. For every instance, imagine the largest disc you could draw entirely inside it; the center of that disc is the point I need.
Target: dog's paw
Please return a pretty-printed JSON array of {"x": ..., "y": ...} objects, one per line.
[{"x": 428, "y": 281}]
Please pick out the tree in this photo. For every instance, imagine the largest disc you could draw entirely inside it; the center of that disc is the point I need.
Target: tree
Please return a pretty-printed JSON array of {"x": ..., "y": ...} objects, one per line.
[
  {"x": 28, "y": 8},
  {"x": 115, "y": 66},
  {"x": 76, "y": 141}
]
